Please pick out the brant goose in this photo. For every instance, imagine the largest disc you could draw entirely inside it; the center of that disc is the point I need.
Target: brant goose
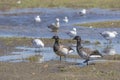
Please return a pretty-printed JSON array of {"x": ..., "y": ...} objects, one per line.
[
  {"x": 85, "y": 53},
  {"x": 59, "y": 49}
]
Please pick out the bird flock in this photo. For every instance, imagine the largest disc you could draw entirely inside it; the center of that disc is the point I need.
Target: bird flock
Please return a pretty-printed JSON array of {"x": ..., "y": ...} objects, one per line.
[{"x": 62, "y": 50}]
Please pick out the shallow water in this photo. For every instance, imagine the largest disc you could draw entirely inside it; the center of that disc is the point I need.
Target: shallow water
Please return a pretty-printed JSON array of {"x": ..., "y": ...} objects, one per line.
[
  {"x": 20, "y": 23},
  {"x": 47, "y": 54}
]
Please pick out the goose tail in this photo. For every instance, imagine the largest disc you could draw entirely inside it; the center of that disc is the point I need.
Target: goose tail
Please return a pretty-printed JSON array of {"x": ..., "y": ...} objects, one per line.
[{"x": 96, "y": 54}]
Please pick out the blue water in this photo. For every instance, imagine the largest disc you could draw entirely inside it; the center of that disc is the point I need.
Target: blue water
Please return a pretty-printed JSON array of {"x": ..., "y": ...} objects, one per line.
[{"x": 20, "y": 23}]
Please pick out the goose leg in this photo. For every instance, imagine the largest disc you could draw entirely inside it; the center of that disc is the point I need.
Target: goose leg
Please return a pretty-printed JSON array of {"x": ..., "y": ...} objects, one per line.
[
  {"x": 60, "y": 58},
  {"x": 86, "y": 61},
  {"x": 65, "y": 57}
]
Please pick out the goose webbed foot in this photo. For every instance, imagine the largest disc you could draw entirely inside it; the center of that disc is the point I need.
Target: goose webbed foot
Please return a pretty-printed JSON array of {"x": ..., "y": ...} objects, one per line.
[{"x": 86, "y": 61}]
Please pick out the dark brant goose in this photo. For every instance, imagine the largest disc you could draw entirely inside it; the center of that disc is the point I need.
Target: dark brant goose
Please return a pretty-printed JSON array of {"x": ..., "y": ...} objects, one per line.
[{"x": 85, "y": 53}]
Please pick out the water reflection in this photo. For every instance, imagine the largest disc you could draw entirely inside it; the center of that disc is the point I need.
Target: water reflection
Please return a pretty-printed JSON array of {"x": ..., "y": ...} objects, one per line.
[
  {"x": 109, "y": 50},
  {"x": 26, "y": 54},
  {"x": 38, "y": 57}
]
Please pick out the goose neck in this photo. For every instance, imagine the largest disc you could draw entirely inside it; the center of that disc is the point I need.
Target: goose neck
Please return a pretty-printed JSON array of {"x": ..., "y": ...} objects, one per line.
[
  {"x": 56, "y": 45},
  {"x": 78, "y": 43},
  {"x": 56, "y": 42}
]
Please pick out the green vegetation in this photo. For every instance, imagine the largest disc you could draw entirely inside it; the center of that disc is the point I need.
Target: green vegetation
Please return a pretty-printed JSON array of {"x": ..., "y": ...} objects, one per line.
[
  {"x": 102, "y": 24},
  {"x": 12, "y": 4},
  {"x": 35, "y": 58},
  {"x": 23, "y": 41},
  {"x": 112, "y": 57}
]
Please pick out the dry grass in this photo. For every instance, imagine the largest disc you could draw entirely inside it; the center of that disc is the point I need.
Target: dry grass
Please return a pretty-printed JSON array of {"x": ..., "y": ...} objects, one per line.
[
  {"x": 55, "y": 70},
  {"x": 12, "y": 4},
  {"x": 110, "y": 24},
  {"x": 23, "y": 41}
]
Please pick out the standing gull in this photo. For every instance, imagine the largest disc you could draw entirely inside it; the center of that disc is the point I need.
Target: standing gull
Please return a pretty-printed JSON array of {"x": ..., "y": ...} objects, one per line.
[
  {"x": 37, "y": 19},
  {"x": 55, "y": 26},
  {"x": 109, "y": 35},
  {"x": 72, "y": 33},
  {"x": 66, "y": 19},
  {"x": 83, "y": 12},
  {"x": 37, "y": 43}
]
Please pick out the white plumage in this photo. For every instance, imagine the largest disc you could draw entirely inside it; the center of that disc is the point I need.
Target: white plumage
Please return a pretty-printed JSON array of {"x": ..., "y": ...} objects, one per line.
[
  {"x": 37, "y": 19},
  {"x": 83, "y": 12},
  {"x": 55, "y": 26},
  {"x": 37, "y": 43},
  {"x": 19, "y": 2},
  {"x": 72, "y": 33},
  {"x": 66, "y": 19},
  {"x": 109, "y": 35}
]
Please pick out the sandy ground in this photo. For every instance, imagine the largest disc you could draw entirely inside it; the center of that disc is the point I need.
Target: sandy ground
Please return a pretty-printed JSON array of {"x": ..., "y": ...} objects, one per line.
[{"x": 55, "y": 70}]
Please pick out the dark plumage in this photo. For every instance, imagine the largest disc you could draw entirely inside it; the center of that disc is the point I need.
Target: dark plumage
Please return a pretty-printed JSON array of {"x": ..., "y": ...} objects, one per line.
[
  {"x": 85, "y": 53},
  {"x": 59, "y": 49}
]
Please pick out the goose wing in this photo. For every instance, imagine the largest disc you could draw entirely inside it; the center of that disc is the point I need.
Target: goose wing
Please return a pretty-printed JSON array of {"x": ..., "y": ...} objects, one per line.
[
  {"x": 66, "y": 49},
  {"x": 53, "y": 27},
  {"x": 86, "y": 50}
]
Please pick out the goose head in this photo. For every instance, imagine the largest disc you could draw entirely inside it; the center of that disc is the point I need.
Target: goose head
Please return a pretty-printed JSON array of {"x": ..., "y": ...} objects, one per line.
[
  {"x": 55, "y": 37},
  {"x": 78, "y": 38}
]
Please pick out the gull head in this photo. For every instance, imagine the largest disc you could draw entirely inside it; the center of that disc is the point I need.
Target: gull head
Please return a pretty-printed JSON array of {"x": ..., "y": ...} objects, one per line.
[{"x": 57, "y": 19}]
